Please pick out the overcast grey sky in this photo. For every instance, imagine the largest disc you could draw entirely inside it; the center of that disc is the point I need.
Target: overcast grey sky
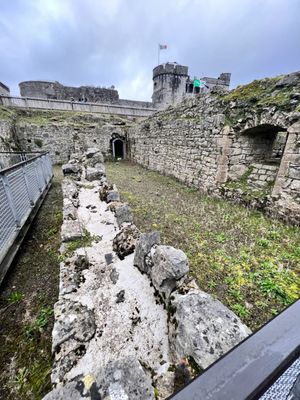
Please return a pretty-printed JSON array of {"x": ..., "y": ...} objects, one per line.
[{"x": 114, "y": 42}]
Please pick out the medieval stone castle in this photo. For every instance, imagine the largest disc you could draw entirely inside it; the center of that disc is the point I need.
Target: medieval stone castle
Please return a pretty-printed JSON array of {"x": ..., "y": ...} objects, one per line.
[
  {"x": 171, "y": 84},
  {"x": 207, "y": 138}
]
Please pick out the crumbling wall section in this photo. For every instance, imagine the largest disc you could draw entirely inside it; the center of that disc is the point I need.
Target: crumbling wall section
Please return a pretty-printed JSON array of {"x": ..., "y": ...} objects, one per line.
[
  {"x": 55, "y": 90},
  {"x": 60, "y": 133}
]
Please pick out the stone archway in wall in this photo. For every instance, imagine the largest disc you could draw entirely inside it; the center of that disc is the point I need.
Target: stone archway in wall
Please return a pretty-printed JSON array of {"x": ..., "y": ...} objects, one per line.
[
  {"x": 256, "y": 155},
  {"x": 118, "y": 148}
]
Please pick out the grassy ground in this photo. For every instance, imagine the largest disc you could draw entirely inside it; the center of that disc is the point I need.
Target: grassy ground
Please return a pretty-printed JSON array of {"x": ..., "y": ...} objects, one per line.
[
  {"x": 27, "y": 296},
  {"x": 248, "y": 261}
]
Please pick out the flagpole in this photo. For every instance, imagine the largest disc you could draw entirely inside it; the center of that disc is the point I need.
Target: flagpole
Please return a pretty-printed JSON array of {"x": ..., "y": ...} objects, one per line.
[{"x": 158, "y": 52}]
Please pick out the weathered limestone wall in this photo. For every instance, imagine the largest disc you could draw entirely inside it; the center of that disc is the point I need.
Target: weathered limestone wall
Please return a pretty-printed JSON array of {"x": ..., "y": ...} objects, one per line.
[
  {"x": 4, "y": 90},
  {"x": 59, "y": 133},
  {"x": 262, "y": 175},
  {"x": 55, "y": 90},
  {"x": 287, "y": 184},
  {"x": 220, "y": 139},
  {"x": 181, "y": 143},
  {"x": 9, "y": 140}
]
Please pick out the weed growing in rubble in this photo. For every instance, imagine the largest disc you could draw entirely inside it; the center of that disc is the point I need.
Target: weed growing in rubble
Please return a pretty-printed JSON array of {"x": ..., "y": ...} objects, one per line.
[
  {"x": 85, "y": 241},
  {"x": 39, "y": 323},
  {"x": 15, "y": 297}
]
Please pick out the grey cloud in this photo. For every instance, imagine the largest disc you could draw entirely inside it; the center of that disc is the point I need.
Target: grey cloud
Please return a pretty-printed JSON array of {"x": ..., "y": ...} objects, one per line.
[{"x": 104, "y": 42}]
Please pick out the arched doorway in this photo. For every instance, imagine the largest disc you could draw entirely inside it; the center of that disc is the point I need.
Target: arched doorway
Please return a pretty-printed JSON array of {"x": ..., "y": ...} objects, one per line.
[{"x": 118, "y": 148}]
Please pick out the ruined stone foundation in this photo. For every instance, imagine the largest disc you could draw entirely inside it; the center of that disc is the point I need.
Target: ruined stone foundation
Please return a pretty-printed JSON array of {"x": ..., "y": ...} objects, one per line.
[{"x": 129, "y": 322}]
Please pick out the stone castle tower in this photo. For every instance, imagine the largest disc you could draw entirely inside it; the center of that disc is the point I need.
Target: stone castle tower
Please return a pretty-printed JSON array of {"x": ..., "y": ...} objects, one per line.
[{"x": 171, "y": 84}]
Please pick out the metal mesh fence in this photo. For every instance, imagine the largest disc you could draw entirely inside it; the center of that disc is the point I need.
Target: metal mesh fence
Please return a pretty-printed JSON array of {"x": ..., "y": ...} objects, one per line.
[{"x": 21, "y": 186}]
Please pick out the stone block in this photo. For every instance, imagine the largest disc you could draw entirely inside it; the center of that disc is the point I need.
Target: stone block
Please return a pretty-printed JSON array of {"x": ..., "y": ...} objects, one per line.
[
  {"x": 70, "y": 169},
  {"x": 70, "y": 230},
  {"x": 170, "y": 265},
  {"x": 125, "y": 241},
  {"x": 94, "y": 173},
  {"x": 123, "y": 214},
  {"x": 112, "y": 195},
  {"x": 72, "y": 321},
  {"x": 91, "y": 151},
  {"x": 294, "y": 171},
  {"x": 143, "y": 247},
  {"x": 203, "y": 328}
]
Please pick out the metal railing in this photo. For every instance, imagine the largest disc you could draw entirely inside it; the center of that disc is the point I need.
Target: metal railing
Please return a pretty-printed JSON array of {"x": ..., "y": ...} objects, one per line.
[
  {"x": 24, "y": 180},
  {"x": 252, "y": 367}
]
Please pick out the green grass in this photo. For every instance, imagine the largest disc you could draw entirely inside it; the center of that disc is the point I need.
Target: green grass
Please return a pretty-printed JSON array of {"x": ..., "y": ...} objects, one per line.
[
  {"x": 15, "y": 297},
  {"x": 73, "y": 119},
  {"x": 85, "y": 241},
  {"x": 248, "y": 261}
]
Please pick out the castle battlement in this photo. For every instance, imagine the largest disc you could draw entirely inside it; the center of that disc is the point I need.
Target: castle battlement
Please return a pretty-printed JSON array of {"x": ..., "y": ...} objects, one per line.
[{"x": 172, "y": 83}]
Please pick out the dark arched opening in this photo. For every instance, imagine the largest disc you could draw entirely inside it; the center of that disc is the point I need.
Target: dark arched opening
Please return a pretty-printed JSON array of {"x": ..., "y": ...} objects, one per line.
[
  {"x": 264, "y": 143},
  {"x": 256, "y": 156},
  {"x": 118, "y": 148}
]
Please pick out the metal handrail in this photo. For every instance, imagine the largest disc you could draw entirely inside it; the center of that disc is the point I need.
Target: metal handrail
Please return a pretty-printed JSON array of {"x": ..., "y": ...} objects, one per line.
[
  {"x": 21, "y": 163},
  {"x": 22, "y": 189},
  {"x": 248, "y": 370}
]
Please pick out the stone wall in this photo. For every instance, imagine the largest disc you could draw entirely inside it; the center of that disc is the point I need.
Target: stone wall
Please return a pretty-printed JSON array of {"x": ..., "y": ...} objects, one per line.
[
  {"x": 136, "y": 103},
  {"x": 55, "y": 90},
  {"x": 262, "y": 175},
  {"x": 214, "y": 140},
  {"x": 60, "y": 133},
  {"x": 4, "y": 90},
  {"x": 180, "y": 144}
]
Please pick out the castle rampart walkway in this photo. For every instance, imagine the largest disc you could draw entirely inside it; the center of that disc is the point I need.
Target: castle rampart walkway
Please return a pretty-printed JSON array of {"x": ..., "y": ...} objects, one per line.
[{"x": 118, "y": 109}]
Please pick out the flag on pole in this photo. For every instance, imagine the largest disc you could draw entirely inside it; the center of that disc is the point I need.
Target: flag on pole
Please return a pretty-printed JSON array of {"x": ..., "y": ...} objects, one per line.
[
  {"x": 160, "y": 47},
  {"x": 197, "y": 82}
]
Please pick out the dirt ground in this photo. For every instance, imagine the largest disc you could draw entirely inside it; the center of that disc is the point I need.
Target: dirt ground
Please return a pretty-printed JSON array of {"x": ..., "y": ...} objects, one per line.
[
  {"x": 248, "y": 261},
  {"x": 27, "y": 296}
]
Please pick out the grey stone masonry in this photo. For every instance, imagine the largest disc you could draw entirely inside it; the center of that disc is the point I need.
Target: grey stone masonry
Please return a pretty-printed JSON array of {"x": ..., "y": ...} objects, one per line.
[
  {"x": 57, "y": 91},
  {"x": 4, "y": 89},
  {"x": 230, "y": 137}
]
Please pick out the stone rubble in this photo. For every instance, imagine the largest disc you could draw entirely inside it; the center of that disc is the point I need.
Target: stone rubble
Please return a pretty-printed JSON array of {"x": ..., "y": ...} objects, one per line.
[
  {"x": 169, "y": 267},
  {"x": 128, "y": 323},
  {"x": 203, "y": 328}
]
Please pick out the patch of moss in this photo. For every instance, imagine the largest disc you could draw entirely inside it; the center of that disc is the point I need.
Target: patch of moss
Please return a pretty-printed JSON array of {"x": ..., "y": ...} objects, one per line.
[
  {"x": 261, "y": 92},
  {"x": 38, "y": 142},
  {"x": 6, "y": 113},
  {"x": 85, "y": 241},
  {"x": 253, "y": 90}
]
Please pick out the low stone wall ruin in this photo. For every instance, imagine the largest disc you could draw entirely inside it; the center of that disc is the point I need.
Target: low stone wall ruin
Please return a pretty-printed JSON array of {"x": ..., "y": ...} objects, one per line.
[{"x": 129, "y": 323}]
